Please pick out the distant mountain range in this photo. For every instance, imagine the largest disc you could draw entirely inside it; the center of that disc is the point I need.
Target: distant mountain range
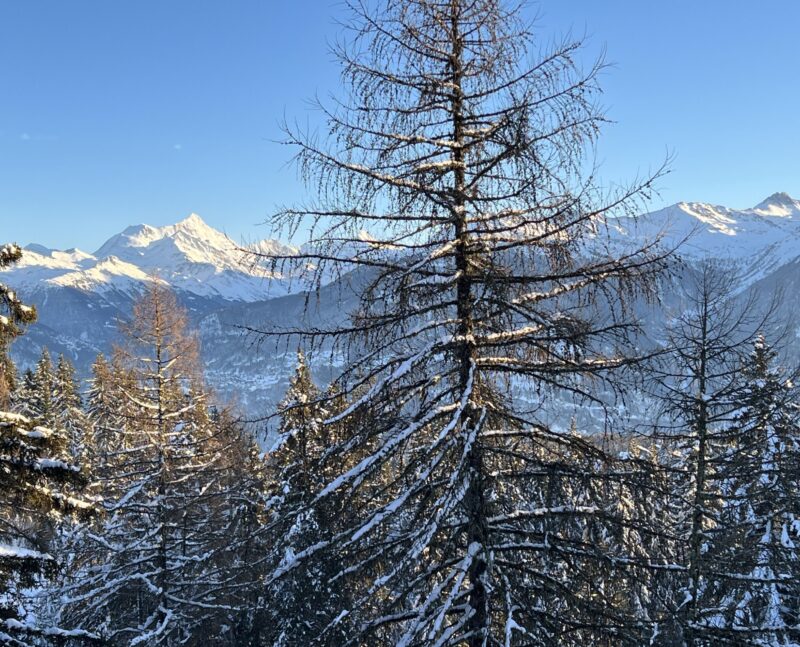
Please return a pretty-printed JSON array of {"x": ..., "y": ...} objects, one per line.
[
  {"x": 82, "y": 296},
  {"x": 190, "y": 256},
  {"x": 758, "y": 240}
]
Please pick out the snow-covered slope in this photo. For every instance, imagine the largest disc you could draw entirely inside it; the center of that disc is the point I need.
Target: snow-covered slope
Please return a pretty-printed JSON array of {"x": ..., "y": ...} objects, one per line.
[
  {"x": 758, "y": 240},
  {"x": 81, "y": 297},
  {"x": 195, "y": 258},
  {"x": 190, "y": 256}
]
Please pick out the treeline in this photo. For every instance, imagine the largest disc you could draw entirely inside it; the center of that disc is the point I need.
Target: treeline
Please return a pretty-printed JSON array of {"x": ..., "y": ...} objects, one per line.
[{"x": 171, "y": 495}]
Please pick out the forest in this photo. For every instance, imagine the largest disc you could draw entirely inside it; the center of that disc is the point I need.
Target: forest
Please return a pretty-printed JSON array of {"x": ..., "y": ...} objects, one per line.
[{"x": 445, "y": 488}]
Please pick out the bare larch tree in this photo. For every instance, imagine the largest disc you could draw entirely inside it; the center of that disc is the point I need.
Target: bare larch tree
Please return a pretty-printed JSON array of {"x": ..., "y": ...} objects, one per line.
[
  {"x": 699, "y": 384},
  {"x": 454, "y": 191}
]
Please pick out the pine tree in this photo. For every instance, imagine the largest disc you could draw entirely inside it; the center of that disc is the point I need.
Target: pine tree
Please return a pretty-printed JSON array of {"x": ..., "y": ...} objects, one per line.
[
  {"x": 453, "y": 183},
  {"x": 39, "y": 487},
  {"x": 757, "y": 554},
  {"x": 108, "y": 412},
  {"x": 51, "y": 396},
  {"x": 14, "y": 316},
  {"x": 699, "y": 386},
  {"x": 69, "y": 408},
  {"x": 242, "y": 557},
  {"x": 649, "y": 508},
  {"x": 304, "y": 602},
  {"x": 38, "y": 396},
  {"x": 74, "y": 426}
]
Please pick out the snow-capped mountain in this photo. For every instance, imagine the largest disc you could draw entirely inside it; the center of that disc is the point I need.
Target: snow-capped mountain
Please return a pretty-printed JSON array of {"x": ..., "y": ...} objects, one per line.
[
  {"x": 81, "y": 297},
  {"x": 190, "y": 256},
  {"x": 758, "y": 240}
]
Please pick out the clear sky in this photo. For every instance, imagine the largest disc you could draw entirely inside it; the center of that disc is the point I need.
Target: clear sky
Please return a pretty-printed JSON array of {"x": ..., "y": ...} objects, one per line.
[{"x": 116, "y": 113}]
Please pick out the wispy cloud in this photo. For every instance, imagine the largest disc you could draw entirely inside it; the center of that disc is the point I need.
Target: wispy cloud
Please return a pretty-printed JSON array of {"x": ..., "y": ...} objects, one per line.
[
  {"x": 177, "y": 147},
  {"x": 37, "y": 137}
]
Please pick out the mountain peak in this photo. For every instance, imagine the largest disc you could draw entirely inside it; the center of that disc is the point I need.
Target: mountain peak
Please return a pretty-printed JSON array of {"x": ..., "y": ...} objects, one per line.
[
  {"x": 781, "y": 197},
  {"x": 190, "y": 255},
  {"x": 778, "y": 204},
  {"x": 192, "y": 221}
]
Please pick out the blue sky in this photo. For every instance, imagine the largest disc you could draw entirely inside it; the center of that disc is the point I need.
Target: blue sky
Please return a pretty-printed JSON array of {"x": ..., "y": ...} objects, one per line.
[{"x": 115, "y": 113}]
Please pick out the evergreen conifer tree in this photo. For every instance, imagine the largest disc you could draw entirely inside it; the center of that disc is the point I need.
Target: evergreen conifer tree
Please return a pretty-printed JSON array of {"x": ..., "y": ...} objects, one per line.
[
  {"x": 39, "y": 487},
  {"x": 14, "y": 316},
  {"x": 304, "y": 602},
  {"x": 107, "y": 410},
  {"x": 242, "y": 556},
  {"x": 756, "y": 554},
  {"x": 38, "y": 396},
  {"x": 69, "y": 409},
  {"x": 698, "y": 383}
]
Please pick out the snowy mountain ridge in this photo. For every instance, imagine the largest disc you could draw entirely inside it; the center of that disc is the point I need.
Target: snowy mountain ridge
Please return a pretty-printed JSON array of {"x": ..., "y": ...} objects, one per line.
[
  {"x": 757, "y": 240},
  {"x": 190, "y": 256},
  {"x": 193, "y": 257},
  {"x": 82, "y": 297}
]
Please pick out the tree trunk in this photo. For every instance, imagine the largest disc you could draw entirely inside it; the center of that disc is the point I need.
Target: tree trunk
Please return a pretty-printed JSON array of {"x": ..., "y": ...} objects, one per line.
[
  {"x": 700, "y": 498},
  {"x": 474, "y": 500}
]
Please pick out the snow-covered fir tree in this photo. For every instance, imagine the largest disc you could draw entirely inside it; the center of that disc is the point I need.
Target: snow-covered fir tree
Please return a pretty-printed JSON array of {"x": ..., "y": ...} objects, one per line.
[
  {"x": 242, "y": 556},
  {"x": 699, "y": 385},
  {"x": 39, "y": 487},
  {"x": 69, "y": 409},
  {"x": 107, "y": 408},
  {"x": 757, "y": 544},
  {"x": 645, "y": 502},
  {"x": 453, "y": 183},
  {"x": 37, "y": 397},
  {"x": 307, "y": 600},
  {"x": 51, "y": 396},
  {"x": 14, "y": 316}
]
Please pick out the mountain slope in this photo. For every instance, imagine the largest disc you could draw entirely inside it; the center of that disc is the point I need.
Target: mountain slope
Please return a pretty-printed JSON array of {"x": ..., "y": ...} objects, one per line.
[
  {"x": 190, "y": 256},
  {"x": 81, "y": 297},
  {"x": 756, "y": 241}
]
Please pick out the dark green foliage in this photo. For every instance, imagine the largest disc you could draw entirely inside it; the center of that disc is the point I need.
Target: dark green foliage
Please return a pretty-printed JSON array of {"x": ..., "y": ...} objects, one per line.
[
  {"x": 14, "y": 316},
  {"x": 755, "y": 549},
  {"x": 304, "y": 602},
  {"x": 39, "y": 486}
]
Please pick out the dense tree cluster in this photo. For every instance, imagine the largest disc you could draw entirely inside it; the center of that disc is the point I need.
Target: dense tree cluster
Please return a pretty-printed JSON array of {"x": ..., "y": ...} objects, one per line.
[
  {"x": 40, "y": 484},
  {"x": 469, "y": 478},
  {"x": 178, "y": 530}
]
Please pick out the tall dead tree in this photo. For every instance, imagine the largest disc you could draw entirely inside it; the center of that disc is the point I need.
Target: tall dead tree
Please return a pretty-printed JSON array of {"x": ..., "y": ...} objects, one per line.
[{"x": 453, "y": 185}]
